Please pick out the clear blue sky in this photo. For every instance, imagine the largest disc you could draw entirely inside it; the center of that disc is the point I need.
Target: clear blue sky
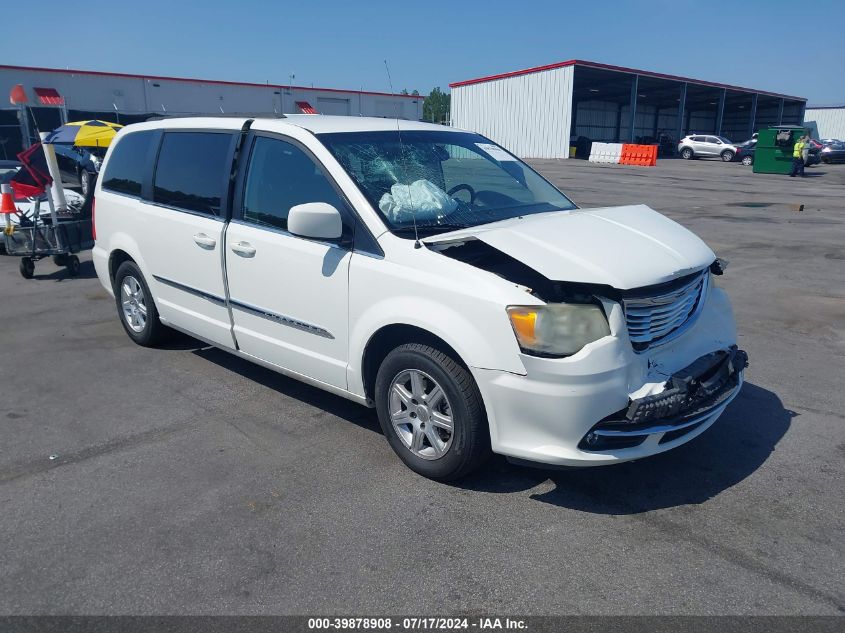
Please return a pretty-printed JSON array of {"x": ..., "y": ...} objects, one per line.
[{"x": 753, "y": 43}]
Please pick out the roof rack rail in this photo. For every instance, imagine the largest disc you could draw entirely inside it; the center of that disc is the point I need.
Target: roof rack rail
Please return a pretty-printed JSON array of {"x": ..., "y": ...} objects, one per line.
[{"x": 227, "y": 115}]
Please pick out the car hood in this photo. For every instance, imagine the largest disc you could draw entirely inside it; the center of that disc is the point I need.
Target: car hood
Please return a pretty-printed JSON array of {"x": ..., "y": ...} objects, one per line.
[{"x": 623, "y": 247}]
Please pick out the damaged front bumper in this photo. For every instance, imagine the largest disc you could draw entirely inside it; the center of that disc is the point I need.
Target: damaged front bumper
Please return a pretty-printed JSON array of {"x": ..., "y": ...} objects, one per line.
[
  {"x": 636, "y": 404},
  {"x": 690, "y": 398}
]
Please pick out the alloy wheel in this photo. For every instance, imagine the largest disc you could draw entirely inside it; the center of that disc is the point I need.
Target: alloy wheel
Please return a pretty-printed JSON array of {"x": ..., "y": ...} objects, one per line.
[
  {"x": 134, "y": 303},
  {"x": 421, "y": 414}
]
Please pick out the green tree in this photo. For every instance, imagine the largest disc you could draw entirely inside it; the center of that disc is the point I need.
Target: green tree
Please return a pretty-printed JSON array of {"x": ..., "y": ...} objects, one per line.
[{"x": 436, "y": 106}]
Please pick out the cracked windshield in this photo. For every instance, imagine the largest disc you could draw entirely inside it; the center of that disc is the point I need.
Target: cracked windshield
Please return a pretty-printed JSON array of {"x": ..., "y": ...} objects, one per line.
[{"x": 441, "y": 181}]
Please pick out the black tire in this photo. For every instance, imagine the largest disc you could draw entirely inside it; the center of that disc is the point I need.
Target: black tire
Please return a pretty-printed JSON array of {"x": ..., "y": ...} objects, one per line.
[
  {"x": 87, "y": 180},
  {"x": 153, "y": 331},
  {"x": 747, "y": 161},
  {"x": 27, "y": 267},
  {"x": 687, "y": 153},
  {"x": 72, "y": 264},
  {"x": 84, "y": 181},
  {"x": 727, "y": 155},
  {"x": 470, "y": 443},
  {"x": 60, "y": 260}
]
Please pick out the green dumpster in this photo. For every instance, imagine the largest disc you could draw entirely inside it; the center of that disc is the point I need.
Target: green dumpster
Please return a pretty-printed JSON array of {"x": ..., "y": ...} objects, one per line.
[{"x": 773, "y": 152}]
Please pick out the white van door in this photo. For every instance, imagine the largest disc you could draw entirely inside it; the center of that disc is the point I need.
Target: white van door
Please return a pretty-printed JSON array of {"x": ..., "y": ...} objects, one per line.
[
  {"x": 288, "y": 295},
  {"x": 181, "y": 233}
]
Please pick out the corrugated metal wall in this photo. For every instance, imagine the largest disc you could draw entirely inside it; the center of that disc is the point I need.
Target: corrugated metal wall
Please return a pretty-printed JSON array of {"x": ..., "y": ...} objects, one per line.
[
  {"x": 530, "y": 115},
  {"x": 830, "y": 122},
  {"x": 597, "y": 120}
]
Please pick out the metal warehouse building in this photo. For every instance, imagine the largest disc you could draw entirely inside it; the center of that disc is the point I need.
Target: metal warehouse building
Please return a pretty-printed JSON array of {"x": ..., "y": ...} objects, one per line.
[
  {"x": 827, "y": 121},
  {"x": 538, "y": 112},
  {"x": 56, "y": 96}
]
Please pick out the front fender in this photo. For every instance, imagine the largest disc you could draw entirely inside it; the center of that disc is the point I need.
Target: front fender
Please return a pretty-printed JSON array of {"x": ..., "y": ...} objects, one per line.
[{"x": 486, "y": 343}]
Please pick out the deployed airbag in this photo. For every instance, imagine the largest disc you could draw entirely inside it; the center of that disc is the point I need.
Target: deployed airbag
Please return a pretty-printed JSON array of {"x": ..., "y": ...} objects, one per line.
[{"x": 421, "y": 200}]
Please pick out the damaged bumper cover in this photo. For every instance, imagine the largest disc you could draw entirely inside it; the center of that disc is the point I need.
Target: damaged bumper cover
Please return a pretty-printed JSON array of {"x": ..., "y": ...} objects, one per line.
[{"x": 690, "y": 397}]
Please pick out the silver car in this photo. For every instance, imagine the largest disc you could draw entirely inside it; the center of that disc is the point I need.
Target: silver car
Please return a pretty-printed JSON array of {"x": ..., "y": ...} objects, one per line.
[{"x": 706, "y": 146}]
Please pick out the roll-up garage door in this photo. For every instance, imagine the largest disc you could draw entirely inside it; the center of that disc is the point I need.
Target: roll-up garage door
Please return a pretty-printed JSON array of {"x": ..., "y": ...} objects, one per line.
[{"x": 327, "y": 105}]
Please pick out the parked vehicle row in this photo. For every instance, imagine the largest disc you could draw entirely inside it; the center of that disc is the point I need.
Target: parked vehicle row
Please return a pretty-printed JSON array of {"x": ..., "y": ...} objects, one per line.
[
  {"x": 709, "y": 146},
  {"x": 426, "y": 272}
]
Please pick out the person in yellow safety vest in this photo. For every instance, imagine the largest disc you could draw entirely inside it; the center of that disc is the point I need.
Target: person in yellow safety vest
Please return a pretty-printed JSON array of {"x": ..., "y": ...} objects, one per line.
[{"x": 798, "y": 157}]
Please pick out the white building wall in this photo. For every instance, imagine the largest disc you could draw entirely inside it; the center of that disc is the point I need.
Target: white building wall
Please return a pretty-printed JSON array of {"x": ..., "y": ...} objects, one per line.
[
  {"x": 139, "y": 95},
  {"x": 530, "y": 115},
  {"x": 830, "y": 122}
]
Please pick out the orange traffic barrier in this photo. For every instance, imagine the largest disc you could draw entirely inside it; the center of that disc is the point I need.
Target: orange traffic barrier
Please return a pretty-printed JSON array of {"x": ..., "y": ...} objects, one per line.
[{"x": 641, "y": 155}]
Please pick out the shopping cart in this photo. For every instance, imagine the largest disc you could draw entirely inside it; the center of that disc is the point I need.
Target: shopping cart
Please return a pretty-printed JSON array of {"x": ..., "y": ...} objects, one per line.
[{"x": 58, "y": 235}]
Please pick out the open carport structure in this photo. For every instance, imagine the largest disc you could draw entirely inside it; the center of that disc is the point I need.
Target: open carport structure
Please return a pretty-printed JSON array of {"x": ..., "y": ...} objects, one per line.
[{"x": 538, "y": 112}]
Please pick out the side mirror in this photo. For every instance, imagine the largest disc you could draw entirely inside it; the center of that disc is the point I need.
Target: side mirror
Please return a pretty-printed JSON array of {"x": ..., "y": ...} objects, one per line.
[{"x": 317, "y": 220}]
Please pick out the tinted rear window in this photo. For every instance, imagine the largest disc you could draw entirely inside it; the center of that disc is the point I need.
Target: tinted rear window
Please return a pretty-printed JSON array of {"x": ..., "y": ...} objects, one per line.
[
  {"x": 192, "y": 170},
  {"x": 128, "y": 163}
]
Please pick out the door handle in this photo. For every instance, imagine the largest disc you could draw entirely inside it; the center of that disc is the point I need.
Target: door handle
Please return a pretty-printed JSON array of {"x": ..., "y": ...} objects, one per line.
[
  {"x": 204, "y": 241},
  {"x": 245, "y": 249}
]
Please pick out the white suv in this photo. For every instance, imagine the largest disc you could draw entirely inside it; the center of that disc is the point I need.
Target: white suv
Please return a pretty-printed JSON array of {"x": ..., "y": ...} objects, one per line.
[
  {"x": 706, "y": 146},
  {"x": 423, "y": 271}
]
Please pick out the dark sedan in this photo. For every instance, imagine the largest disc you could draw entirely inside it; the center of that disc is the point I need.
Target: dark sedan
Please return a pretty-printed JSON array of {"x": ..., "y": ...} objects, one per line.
[
  {"x": 745, "y": 152},
  {"x": 833, "y": 153},
  {"x": 79, "y": 167}
]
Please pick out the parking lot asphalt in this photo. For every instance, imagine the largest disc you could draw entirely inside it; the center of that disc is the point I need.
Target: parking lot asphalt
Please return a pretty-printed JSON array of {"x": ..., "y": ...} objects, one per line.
[{"x": 184, "y": 480}]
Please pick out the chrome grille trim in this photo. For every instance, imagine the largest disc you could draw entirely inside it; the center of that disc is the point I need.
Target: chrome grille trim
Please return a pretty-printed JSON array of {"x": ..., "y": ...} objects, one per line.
[{"x": 657, "y": 319}]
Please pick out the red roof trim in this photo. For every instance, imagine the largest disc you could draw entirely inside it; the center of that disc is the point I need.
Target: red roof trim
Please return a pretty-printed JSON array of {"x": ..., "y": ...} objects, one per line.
[
  {"x": 49, "y": 96},
  {"x": 99, "y": 73},
  {"x": 623, "y": 69},
  {"x": 513, "y": 73}
]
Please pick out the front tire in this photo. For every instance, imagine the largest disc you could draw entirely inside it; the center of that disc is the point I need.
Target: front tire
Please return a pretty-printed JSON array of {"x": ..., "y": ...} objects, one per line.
[
  {"x": 686, "y": 153},
  {"x": 27, "y": 267},
  {"x": 135, "y": 306},
  {"x": 72, "y": 265},
  {"x": 431, "y": 412},
  {"x": 727, "y": 156}
]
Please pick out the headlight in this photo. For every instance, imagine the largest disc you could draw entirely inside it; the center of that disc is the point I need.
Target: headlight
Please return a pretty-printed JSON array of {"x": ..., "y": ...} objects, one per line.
[{"x": 557, "y": 329}]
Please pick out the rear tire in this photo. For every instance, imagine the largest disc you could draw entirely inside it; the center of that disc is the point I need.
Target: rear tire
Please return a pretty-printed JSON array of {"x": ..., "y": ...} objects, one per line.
[
  {"x": 440, "y": 393},
  {"x": 686, "y": 153},
  {"x": 87, "y": 181},
  {"x": 135, "y": 306},
  {"x": 727, "y": 156},
  {"x": 747, "y": 161}
]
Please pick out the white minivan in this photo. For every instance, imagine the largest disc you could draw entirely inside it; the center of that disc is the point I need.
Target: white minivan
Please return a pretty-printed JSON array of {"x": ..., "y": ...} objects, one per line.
[{"x": 426, "y": 272}]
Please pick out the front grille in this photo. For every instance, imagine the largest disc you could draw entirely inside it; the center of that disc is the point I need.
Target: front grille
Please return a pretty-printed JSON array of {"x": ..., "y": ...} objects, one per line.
[{"x": 653, "y": 319}]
